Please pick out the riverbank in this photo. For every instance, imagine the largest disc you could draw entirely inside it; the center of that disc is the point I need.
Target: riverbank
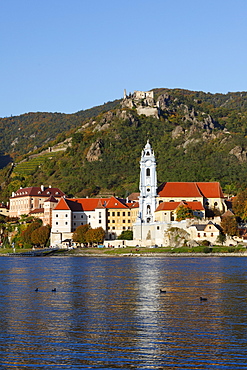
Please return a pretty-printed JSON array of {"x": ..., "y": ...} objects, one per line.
[
  {"x": 157, "y": 252},
  {"x": 216, "y": 251}
]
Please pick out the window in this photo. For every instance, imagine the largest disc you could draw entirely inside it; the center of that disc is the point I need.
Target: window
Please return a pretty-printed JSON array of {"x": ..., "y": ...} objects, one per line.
[
  {"x": 128, "y": 221},
  {"x": 123, "y": 221},
  {"x": 99, "y": 221},
  {"x": 66, "y": 215},
  {"x": 113, "y": 227},
  {"x": 74, "y": 223},
  {"x": 123, "y": 227},
  {"x": 113, "y": 213},
  {"x": 113, "y": 221},
  {"x": 198, "y": 235},
  {"x": 118, "y": 213},
  {"x": 56, "y": 215},
  {"x": 123, "y": 213},
  {"x": 148, "y": 172},
  {"x": 66, "y": 223},
  {"x": 158, "y": 227},
  {"x": 212, "y": 234},
  {"x": 99, "y": 214},
  {"x": 128, "y": 213},
  {"x": 56, "y": 223},
  {"x": 205, "y": 234},
  {"x": 74, "y": 216},
  {"x": 81, "y": 216}
]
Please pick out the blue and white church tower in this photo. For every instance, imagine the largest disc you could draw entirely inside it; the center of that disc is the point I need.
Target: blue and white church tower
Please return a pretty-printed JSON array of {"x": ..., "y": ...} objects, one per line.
[
  {"x": 142, "y": 229},
  {"x": 148, "y": 185}
]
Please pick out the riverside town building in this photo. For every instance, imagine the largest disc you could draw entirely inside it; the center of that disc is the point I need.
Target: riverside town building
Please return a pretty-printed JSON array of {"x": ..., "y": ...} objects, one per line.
[{"x": 150, "y": 213}]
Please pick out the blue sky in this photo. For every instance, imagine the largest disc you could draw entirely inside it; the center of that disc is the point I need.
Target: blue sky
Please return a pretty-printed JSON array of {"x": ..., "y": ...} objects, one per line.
[{"x": 69, "y": 55}]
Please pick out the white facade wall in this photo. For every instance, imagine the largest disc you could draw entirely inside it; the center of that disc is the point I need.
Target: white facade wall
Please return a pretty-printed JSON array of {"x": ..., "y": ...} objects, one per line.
[
  {"x": 65, "y": 222},
  {"x": 61, "y": 221}
]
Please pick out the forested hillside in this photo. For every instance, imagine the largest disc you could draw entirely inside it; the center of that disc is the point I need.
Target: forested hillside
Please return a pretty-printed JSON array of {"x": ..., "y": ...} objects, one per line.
[{"x": 197, "y": 137}]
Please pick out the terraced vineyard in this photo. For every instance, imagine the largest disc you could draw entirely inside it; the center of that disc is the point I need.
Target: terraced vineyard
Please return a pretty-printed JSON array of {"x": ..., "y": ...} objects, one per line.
[{"x": 29, "y": 166}]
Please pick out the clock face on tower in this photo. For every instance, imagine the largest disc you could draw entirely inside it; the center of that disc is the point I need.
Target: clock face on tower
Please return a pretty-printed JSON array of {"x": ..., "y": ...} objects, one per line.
[{"x": 148, "y": 163}]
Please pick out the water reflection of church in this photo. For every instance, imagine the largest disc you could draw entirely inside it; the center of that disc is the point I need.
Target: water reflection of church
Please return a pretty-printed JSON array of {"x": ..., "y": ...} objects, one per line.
[{"x": 158, "y": 205}]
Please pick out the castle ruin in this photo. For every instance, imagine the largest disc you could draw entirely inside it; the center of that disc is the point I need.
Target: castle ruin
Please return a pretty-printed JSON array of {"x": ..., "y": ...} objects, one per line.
[{"x": 143, "y": 101}]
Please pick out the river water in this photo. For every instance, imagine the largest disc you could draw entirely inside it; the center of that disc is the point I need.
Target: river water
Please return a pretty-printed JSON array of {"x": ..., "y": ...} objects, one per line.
[{"x": 108, "y": 313}]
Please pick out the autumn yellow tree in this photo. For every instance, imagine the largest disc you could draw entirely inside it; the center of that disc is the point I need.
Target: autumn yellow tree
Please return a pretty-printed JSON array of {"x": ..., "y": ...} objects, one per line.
[
  {"x": 183, "y": 212},
  {"x": 95, "y": 235},
  {"x": 229, "y": 225},
  {"x": 79, "y": 234},
  {"x": 239, "y": 205},
  {"x": 40, "y": 236}
]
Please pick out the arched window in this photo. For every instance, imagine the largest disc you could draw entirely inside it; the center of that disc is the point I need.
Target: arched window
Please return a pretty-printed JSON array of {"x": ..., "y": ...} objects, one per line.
[
  {"x": 148, "y": 172},
  {"x": 148, "y": 210}
]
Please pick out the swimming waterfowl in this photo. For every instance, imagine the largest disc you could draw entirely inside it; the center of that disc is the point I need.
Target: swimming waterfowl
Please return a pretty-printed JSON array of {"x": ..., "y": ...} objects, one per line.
[
  {"x": 54, "y": 290},
  {"x": 162, "y": 291},
  {"x": 36, "y": 289},
  {"x": 203, "y": 299}
]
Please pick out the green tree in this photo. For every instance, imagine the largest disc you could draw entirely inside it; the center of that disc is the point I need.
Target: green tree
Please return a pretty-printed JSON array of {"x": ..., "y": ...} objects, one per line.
[
  {"x": 183, "y": 212},
  {"x": 221, "y": 238},
  {"x": 229, "y": 225},
  {"x": 79, "y": 235},
  {"x": 126, "y": 235},
  {"x": 76, "y": 138}
]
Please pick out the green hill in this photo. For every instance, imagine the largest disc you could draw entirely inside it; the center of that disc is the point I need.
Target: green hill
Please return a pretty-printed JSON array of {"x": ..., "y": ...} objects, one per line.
[{"x": 197, "y": 137}]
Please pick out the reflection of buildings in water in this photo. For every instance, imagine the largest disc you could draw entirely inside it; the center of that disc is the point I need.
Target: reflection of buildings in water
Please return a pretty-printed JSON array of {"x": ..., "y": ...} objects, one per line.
[{"x": 113, "y": 305}]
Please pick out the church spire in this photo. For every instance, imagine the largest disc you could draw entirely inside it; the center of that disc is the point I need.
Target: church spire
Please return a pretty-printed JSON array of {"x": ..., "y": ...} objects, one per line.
[{"x": 148, "y": 185}]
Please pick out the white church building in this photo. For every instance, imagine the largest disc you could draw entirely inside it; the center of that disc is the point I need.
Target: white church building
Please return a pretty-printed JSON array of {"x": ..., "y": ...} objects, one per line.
[{"x": 158, "y": 205}]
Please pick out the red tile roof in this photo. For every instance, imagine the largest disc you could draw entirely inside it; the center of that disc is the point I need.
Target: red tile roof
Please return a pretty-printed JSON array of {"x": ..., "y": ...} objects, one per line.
[
  {"x": 36, "y": 211},
  {"x": 171, "y": 206},
  {"x": 179, "y": 189},
  {"x": 38, "y": 191},
  {"x": 190, "y": 190},
  {"x": 89, "y": 204},
  {"x": 210, "y": 189},
  {"x": 51, "y": 199},
  {"x": 132, "y": 205},
  {"x": 134, "y": 196}
]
